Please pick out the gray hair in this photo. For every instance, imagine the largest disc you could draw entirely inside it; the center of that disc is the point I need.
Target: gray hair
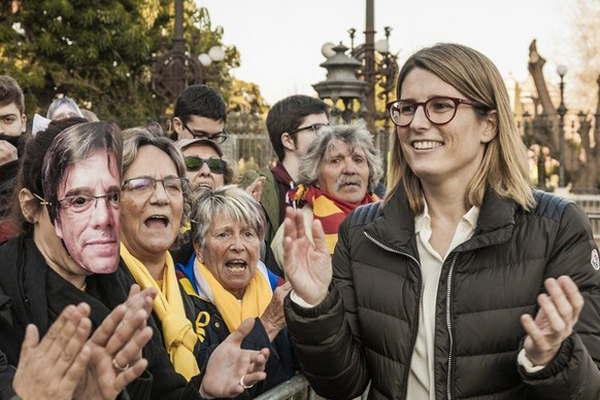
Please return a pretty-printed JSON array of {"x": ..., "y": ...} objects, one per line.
[
  {"x": 231, "y": 201},
  {"x": 139, "y": 137},
  {"x": 152, "y": 128},
  {"x": 74, "y": 110},
  {"x": 355, "y": 136}
]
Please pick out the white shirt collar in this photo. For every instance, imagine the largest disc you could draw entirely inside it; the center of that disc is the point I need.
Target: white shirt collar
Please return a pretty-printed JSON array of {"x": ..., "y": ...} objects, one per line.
[{"x": 423, "y": 220}]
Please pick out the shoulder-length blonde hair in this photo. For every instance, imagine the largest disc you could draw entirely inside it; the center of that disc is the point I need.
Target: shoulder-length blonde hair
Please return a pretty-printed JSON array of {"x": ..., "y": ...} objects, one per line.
[{"x": 504, "y": 166}]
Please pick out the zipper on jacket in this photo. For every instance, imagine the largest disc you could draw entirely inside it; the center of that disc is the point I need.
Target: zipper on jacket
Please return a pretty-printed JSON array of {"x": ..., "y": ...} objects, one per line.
[
  {"x": 388, "y": 248},
  {"x": 415, "y": 327},
  {"x": 449, "y": 326}
]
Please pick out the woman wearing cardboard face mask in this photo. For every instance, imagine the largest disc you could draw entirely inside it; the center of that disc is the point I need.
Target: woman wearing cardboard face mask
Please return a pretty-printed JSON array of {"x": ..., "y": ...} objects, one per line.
[{"x": 41, "y": 278}]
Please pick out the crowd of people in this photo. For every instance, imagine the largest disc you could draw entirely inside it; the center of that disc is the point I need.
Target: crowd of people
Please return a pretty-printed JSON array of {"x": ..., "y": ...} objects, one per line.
[{"x": 134, "y": 267}]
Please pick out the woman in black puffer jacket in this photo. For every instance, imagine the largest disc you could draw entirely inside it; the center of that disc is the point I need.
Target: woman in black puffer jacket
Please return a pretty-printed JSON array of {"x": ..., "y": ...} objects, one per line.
[{"x": 464, "y": 283}]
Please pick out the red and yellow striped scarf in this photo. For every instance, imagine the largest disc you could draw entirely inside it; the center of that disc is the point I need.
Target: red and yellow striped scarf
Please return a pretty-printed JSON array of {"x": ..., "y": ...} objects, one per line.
[{"x": 329, "y": 210}]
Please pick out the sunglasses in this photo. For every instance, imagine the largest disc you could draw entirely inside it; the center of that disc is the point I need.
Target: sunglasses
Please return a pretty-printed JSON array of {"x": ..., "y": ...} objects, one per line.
[{"x": 216, "y": 165}]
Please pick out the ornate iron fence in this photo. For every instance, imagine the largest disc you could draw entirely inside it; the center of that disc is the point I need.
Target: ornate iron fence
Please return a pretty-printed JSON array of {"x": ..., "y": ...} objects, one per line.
[
  {"x": 249, "y": 150},
  {"x": 590, "y": 203}
]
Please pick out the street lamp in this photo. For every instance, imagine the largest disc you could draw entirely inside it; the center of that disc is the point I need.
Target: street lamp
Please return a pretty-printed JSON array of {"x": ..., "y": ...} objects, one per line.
[
  {"x": 215, "y": 54},
  {"x": 377, "y": 68},
  {"x": 177, "y": 69},
  {"x": 561, "y": 70},
  {"x": 341, "y": 82}
]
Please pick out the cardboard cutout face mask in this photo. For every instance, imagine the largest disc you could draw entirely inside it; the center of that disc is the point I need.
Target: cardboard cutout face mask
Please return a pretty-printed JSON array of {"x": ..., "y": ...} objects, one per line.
[{"x": 88, "y": 217}]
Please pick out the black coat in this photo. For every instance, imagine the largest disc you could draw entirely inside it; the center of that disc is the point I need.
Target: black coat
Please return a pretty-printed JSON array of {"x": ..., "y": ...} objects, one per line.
[
  {"x": 366, "y": 328},
  {"x": 38, "y": 294},
  {"x": 7, "y": 373}
]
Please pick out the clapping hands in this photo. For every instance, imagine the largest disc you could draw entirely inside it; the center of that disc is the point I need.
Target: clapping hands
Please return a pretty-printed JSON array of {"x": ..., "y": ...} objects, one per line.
[
  {"x": 558, "y": 313},
  {"x": 230, "y": 370}
]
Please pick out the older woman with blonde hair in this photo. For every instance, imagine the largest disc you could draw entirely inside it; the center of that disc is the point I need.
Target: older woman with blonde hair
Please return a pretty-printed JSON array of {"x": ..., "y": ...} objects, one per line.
[
  {"x": 230, "y": 284},
  {"x": 464, "y": 282}
]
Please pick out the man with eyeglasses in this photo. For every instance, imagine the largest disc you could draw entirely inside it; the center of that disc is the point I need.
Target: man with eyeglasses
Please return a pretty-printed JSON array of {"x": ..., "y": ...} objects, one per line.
[
  {"x": 200, "y": 113},
  {"x": 204, "y": 164},
  {"x": 293, "y": 123}
]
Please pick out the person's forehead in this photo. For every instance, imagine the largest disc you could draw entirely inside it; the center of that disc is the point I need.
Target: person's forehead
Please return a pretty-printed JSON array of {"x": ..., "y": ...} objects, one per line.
[
  {"x": 200, "y": 150},
  {"x": 9, "y": 109},
  {"x": 99, "y": 169},
  {"x": 205, "y": 124},
  {"x": 222, "y": 220},
  {"x": 151, "y": 161},
  {"x": 420, "y": 85},
  {"x": 65, "y": 111},
  {"x": 318, "y": 118},
  {"x": 338, "y": 147}
]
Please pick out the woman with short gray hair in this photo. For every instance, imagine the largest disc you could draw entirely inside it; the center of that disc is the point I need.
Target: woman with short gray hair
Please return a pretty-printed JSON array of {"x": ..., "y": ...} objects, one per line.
[
  {"x": 233, "y": 202},
  {"x": 229, "y": 283}
]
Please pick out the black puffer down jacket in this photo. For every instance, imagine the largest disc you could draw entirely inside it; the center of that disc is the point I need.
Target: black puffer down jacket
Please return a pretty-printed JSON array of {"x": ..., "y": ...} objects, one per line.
[{"x": 365, "y": 329}]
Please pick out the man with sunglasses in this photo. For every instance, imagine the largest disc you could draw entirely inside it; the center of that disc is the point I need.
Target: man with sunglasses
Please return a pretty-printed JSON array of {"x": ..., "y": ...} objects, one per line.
[
  {"x": 204, "y": 164},
  {"x": 200, "y": 113}
]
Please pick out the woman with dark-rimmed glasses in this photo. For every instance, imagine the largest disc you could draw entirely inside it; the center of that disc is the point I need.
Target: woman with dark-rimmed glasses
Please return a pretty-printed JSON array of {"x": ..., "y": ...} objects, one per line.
[{"x": 464, "y": 282}]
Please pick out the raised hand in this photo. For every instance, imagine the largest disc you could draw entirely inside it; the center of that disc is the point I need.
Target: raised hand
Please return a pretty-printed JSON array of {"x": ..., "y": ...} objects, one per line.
[
  {"x": 8, "y": 152},
  {"x": 558, "y": 313},
  {"x": 273, "y": 318},
  {"x": 230, "y": 370},
  {"x": 116, "y": 347},
  {"x": 307, "y": 266},
  {"x": 256, "y": 188},
  {"x": 52, "y": 368}
]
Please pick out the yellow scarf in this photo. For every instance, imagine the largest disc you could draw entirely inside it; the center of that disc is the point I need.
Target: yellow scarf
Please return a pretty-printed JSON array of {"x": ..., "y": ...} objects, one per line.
[
  {"x": 257, "y": 297},
  {"x": 177, "y": 330}
]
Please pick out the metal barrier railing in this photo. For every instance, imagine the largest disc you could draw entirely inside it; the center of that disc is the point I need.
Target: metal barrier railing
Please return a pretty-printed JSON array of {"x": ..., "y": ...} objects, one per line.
[
  {"x": 297, "y": 388},
  {"x": 595, "y": 222}
]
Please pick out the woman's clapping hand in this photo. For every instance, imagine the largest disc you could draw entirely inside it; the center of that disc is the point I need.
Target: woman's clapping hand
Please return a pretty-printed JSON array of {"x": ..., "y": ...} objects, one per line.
[
  {"x": 116, "y": 347},
  {"x": 51, "y": 368},
  {"x": 229, "y": 367},
  {"x": 558, "y": 313}
]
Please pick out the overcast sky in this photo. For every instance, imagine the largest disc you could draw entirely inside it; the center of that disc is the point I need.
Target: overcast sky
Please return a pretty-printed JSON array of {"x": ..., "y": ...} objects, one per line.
[{"x": 280, "y": 40}]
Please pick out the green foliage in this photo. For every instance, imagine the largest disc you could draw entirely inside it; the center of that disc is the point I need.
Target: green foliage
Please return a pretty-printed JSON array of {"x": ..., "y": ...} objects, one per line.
[
  {"x": 100, "y": 52},
  {"x": 247, "y": 108}
]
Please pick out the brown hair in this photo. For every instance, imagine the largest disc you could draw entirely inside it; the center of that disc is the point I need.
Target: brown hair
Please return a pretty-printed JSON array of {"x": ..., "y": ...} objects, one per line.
[
  {"x": 504, "y": 166},
  {"x": 10, "y": 92},
  {"x": 72, "y": 145},
  {"x": 30, "y": 169}
]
